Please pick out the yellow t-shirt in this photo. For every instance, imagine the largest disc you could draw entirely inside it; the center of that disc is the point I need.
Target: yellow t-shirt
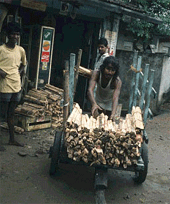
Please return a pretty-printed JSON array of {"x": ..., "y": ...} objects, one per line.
[{"x": 10, "y": 60}]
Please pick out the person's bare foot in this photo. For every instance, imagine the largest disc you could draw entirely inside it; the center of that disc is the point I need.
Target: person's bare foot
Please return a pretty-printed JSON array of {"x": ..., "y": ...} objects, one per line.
[{"x": 15, "y": 143}]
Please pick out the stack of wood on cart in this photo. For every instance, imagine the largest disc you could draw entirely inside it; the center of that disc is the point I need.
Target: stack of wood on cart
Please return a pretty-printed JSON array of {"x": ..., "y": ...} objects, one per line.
[
  {"x": 42, "y": 103},
  {"x": 102, "y": 141}
]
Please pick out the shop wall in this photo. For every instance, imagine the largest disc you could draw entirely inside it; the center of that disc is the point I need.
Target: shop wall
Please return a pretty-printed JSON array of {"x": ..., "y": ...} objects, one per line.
[{"x": 165, "y": 82}]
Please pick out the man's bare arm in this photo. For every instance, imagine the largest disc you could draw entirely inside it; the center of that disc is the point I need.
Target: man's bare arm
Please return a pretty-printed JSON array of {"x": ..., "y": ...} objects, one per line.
[
  {"x": 22, "y": 69},
  {"x": 115, "y": 98},
  {"x": 90, "y": 93},
  {"x": 92, "y": 83}
]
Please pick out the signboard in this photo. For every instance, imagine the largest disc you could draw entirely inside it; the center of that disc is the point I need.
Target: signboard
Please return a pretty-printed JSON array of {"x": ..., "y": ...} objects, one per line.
[
  {"x": 45, "y": 56},
  {"x": 64, "y": 8},
  {"x": 111, "y": 38},
  {"x": 40, "y": 6}
]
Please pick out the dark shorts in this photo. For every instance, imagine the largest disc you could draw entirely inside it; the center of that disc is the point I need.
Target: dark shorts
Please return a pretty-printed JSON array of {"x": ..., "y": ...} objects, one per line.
[
  {"x": 7, "y": 97},
  {"x": 4, "y": 99}
]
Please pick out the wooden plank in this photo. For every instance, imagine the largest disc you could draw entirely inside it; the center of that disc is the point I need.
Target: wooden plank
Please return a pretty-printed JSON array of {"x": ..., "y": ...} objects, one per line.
[
  {"x": 66, "y": 93},
  {"x": 33, "y": 123},
  {"x": 137, "y": 81},
  {"x": 135, "y": 58},
  {"x": 148, "y": 95},
  {"x": 40, "y": 6},
  {"x": 71, "y": 80},
  {"x": 38, "y": 126},
  {"x": 141, "y": 103},
  {"x": 77, "y": 68},
  {"x": 33, "y": 119}
]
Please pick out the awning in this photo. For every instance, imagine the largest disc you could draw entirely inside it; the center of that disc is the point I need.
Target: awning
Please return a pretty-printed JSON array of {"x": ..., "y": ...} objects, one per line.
[{"x": 111, "y": 7}]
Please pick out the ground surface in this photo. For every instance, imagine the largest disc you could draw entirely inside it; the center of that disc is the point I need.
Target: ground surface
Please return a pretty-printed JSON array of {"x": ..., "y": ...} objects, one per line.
[{"x": 24, "y": 176}]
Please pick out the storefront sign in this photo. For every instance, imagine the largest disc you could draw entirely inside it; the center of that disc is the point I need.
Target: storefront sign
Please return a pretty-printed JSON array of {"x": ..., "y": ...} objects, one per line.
[
  {"x": 64, "y": 8},
  {"x": 6, "y": 1},
  {"x": 45, "y": 56},
  {"x": 40, "y": 6}
]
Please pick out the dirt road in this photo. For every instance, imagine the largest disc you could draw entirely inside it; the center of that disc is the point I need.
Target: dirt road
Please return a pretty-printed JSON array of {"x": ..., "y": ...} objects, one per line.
[{"x": 24, "y": 176}]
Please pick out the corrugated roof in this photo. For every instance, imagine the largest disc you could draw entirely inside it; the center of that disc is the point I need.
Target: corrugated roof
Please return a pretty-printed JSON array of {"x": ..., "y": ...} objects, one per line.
[{"x": 125, "y": 5}]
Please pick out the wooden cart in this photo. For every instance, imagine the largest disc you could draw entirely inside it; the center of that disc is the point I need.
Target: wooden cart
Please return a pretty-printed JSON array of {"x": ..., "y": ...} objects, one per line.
[{"x": 58, "y": 152}]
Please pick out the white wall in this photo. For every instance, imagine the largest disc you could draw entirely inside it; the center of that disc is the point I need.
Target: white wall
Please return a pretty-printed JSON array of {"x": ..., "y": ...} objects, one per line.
[{"x": 165, "y": 78}]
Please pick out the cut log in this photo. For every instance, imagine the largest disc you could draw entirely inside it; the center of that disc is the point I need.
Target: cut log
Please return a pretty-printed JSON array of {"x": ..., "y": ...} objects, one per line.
[
  {"x": 34, "y": 100},
  {"x": 85, "y": 72},
  {"x": 54, "y": 89}
]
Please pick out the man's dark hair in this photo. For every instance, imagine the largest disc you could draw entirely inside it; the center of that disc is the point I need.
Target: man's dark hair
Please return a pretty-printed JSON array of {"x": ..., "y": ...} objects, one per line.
[
  {"x": 13, "y": 27},
  {"x": 103, "y": 41},
  {"x": 114, "y": 62}
]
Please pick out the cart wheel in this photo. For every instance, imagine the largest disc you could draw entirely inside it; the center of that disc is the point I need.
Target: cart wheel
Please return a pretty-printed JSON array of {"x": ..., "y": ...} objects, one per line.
[
  {"x": 140, "y": 176},
  {"x": 55, "y": 153}
]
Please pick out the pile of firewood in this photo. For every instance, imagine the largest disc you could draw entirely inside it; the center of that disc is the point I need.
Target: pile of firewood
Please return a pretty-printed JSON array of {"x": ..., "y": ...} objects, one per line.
[
  {"x": 43, "y": 102},
  {"x": 101, "y": 141},
  {"x": 17, "y": 129}
]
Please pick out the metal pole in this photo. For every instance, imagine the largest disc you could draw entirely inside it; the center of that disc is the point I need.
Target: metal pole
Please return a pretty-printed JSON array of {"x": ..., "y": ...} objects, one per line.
[
  {"x": 71, "y": 80},
  {"x": 148, "y": 95},
  {"x": 141, "y": 103},
  {"x": 66, "y": 93},
  {"x": 135, "y": 57},
  {"x": 137, "y": 80}
]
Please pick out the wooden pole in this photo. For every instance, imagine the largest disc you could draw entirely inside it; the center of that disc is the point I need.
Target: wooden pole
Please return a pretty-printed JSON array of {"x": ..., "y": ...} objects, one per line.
[
  {"x": 71, "y": 80},
  {"x": 135, "y": 58},
  {"x": 141, "y": 103},
  {"x": 66, "y": 93},
  {"x": 148, "y": 95},
  {"x": 137, "y": 81},
  {"x": 77, "y": 68},
  {"x": 28, "y": 57}
]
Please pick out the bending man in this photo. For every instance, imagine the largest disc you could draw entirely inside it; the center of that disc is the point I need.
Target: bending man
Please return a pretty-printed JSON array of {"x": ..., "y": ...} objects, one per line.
[{"x": 108, "y": 88}]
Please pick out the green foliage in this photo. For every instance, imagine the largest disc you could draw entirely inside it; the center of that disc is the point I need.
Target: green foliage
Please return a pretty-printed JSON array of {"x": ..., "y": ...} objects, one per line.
[{"x": 154, "y": 8}]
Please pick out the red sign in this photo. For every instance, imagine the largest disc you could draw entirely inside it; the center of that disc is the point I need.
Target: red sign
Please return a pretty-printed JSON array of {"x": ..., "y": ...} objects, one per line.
[{"x": 45, "y": 56}]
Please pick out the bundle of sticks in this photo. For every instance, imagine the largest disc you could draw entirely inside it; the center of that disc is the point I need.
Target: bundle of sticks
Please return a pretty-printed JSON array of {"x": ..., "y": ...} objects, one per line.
[
  {"x": 43, "y": 102},
  {"x": 102, "y": 141}
]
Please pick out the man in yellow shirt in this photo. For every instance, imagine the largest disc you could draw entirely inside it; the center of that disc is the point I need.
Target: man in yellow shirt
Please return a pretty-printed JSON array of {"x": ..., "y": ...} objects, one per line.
[{"x": 12, "y": 66}]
